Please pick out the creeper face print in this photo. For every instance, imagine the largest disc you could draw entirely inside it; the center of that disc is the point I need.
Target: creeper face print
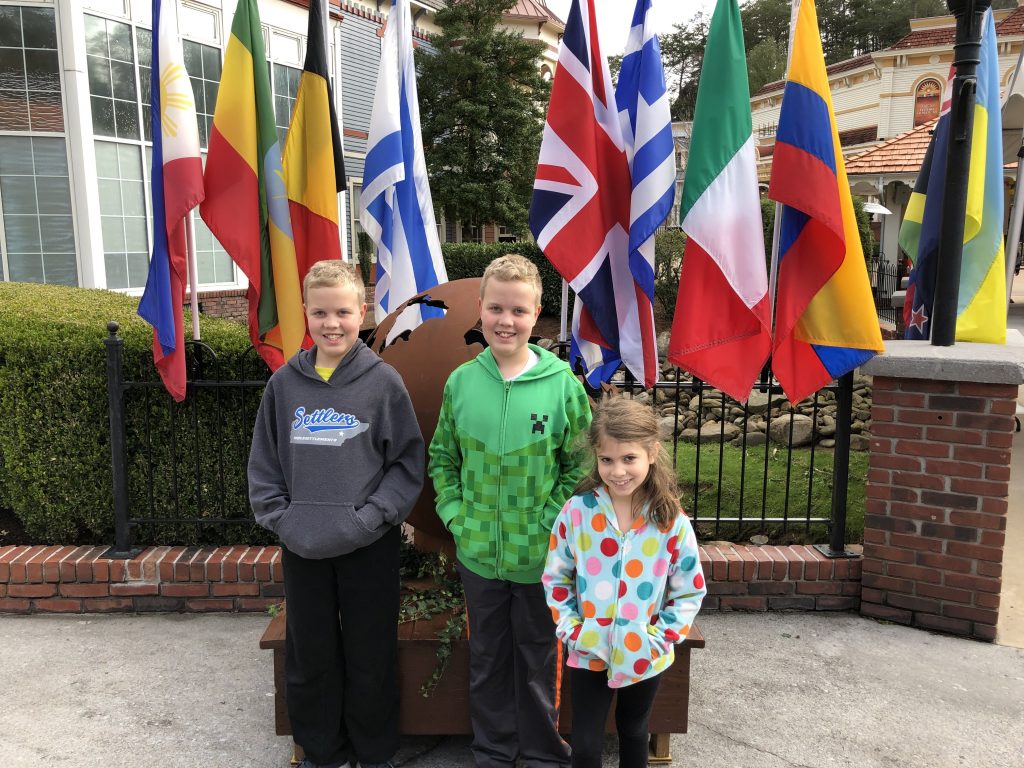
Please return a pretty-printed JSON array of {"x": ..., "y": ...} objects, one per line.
[{"x": 539, "y": 420}]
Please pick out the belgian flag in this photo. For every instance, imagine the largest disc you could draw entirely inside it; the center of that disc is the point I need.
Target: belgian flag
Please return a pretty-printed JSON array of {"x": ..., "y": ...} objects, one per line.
[{"x": 314, "y": 170}]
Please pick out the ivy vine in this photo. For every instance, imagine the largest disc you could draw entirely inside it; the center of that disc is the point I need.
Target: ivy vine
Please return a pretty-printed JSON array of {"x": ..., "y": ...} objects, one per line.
[{"x": 443, "y": 594}]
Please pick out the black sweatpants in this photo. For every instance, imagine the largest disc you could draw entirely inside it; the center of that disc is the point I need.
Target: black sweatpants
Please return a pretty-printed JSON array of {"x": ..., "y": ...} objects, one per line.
[
  {"x": 341, "y": 652},
  {"x": 591, "y": 698},
  {"x": 513, "y": 667}
]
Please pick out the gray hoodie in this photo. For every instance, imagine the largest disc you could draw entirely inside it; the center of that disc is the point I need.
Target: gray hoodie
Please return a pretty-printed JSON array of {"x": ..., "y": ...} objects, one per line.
[{"x": 334, "y": 464}]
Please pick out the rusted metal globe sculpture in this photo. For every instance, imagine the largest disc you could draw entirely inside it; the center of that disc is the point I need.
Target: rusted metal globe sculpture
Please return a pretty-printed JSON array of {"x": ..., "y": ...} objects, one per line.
[{"x": 424, "y": 357}]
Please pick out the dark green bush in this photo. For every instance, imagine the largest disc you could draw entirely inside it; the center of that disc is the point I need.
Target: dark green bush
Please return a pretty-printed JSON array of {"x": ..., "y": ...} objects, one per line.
[
  {"x": 55, "y": 462},
  {"x": 471, "y": 259}
]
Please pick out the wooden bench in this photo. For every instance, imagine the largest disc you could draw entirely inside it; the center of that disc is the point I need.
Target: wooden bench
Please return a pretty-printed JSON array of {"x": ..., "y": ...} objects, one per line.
[{"x": 421, "y": 716}]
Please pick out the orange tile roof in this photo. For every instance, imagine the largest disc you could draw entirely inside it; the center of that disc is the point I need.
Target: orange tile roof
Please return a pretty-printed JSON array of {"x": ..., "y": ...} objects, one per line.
[
  {"x": 834, "y": 69},
  {"x": 534, "y": 10},
  {"x": 902, "y": 154},
  {"x": 935, "y": 36}
]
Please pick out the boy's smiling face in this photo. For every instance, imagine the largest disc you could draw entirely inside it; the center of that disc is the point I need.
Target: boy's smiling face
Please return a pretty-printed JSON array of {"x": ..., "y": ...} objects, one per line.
[
  {"x": 508, "y": 312},
  {"x": 333, "y": 315}
]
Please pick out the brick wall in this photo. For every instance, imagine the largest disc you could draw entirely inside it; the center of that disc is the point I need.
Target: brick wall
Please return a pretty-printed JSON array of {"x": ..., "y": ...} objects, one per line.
[
  {"x": 938, "y": 486},
  {"x": 77, "y": 579},
  {"x": 231, "y": 305}
]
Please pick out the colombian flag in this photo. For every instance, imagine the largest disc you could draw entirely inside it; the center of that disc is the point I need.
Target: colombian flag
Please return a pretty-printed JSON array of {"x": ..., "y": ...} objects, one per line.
[
  {"x": 314, "y": 170},
  {"x": 825, "y": 321},
  {"x": 981, "y": 304},
  {"x": 246, "y": 207}
]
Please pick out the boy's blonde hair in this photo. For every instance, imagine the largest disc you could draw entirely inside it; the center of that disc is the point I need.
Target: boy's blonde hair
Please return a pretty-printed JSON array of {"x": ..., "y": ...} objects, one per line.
[
  {"x": 510, "y": 268},
  {"x": 331, "y": 272}
]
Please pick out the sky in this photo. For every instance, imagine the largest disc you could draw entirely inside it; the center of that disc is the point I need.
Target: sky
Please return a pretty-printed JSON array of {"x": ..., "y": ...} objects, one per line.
[{"x": 614, "y": 16}]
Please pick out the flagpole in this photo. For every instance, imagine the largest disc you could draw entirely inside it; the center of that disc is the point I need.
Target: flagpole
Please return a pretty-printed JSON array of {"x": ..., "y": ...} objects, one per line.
[
  {"x": 193, "y": 272},
  {"x": 563, "y": 333},
  {"x": 1016, "y": 218},
  {"x": 773, "y": 274}
]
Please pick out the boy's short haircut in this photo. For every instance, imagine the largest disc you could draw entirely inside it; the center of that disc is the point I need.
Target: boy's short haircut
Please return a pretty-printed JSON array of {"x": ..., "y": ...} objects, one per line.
[
  {"x": 331, "y": 272},
  {"x": 510, "y": 268}
]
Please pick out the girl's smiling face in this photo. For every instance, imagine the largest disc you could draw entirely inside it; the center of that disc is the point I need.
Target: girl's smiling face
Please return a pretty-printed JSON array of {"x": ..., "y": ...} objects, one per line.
[{"x": 623, "y": 467}]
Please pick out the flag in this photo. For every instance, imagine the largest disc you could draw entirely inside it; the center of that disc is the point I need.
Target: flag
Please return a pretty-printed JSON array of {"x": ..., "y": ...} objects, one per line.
[
  {"x": 721, "y": 331},
  {"x": 395, "y": 208},
  {"x": 246, "y": 206},
  {"x": 580, "y": 213},
  {"x": 981, "y": 304},
  {"x": 825, "y": 320},
  {"x": 177, "y": 188},
  {"x": 646, "y": 119},
  {"x": 314, "y": 169}
]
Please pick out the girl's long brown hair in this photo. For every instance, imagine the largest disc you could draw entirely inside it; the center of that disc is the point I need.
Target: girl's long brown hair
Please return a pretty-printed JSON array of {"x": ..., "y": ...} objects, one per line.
[{"x": 627, "y": 421}]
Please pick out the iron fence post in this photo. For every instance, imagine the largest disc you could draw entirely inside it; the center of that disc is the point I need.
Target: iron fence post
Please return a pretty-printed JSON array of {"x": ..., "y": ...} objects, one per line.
[
  {"x": 840, "y": 471},
  {"x": 122, "y": 549}
]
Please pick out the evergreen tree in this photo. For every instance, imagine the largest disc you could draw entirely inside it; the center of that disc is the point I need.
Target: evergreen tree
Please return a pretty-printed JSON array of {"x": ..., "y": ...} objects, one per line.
[{"x": 482, "y": 106}]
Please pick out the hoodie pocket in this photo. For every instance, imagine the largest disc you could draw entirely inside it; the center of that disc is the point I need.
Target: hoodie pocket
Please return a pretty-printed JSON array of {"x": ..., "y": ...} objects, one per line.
[
  {"x": 590, "y": 644},
  {"x": 636, "y": 651},
  {"x": 318, "y": 530},
  {"x": 474, "y": 531}
]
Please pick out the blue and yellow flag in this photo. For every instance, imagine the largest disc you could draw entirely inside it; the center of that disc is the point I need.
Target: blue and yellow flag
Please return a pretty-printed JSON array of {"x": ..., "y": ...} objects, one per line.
[
  {"x": 981, "y": 307},
  {"x": 825, "y": 319}
]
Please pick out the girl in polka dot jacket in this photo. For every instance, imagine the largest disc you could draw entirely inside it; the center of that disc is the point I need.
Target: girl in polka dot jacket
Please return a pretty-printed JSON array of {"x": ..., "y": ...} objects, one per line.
[{"x": 623, "y": 580}]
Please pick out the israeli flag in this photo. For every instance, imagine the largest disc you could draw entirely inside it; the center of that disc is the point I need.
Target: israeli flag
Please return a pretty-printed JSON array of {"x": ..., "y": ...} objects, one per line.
[{"x": 395, "y": 207}]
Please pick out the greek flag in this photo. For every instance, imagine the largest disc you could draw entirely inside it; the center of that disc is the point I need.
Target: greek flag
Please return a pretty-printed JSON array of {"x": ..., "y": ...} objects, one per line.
[
  {"x": 395, "y": 207},
  {"x": 642, "y": 101}
]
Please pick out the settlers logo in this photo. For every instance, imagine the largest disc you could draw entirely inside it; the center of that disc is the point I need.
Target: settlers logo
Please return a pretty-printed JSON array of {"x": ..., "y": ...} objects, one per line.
[{"x": 325, "y": 426}]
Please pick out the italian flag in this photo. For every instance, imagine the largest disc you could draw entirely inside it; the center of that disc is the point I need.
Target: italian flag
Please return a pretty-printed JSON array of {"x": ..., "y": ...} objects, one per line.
[{"x": 721, "y": 331}]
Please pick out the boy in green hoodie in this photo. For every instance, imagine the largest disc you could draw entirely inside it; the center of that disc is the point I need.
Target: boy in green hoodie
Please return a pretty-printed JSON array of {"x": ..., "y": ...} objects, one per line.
[{"x": 504, "y": 460}]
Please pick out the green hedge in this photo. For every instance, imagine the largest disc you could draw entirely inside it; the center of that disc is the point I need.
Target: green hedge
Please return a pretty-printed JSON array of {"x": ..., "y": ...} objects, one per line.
[
  {"x": 55, "y": 464},
  {"x": 471, "y": 259}
]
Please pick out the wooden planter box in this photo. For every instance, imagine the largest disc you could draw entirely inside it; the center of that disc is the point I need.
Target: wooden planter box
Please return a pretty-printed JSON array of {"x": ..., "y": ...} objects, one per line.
[{"x": 446, "y": 710}]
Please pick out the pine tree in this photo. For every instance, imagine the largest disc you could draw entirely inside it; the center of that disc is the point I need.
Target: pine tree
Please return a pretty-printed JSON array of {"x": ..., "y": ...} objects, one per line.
[{"x": 482, "y": 105}]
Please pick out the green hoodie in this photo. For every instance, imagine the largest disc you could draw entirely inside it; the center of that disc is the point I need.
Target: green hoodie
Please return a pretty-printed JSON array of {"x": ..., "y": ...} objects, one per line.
[{"x": 505, "y": 459}]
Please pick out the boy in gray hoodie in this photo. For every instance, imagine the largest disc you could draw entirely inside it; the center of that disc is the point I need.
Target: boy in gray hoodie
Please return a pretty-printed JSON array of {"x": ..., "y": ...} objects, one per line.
[{"x": 336, "y": 465}]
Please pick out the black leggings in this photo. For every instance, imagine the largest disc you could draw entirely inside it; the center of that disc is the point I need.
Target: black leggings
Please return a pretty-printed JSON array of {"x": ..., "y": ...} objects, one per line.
[{"x": 591, "y": 698}]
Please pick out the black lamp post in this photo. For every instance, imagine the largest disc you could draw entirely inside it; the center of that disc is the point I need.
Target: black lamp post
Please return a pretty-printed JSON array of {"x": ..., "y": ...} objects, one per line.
[{"x": 966, "y": 57}]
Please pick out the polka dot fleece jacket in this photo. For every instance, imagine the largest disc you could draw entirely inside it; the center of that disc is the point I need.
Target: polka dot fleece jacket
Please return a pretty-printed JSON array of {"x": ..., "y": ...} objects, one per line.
[{"x": 621, "y": 601}]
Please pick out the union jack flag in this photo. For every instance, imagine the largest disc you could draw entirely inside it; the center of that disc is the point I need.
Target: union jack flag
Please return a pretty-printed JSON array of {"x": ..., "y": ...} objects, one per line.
[{"x": 580, "y": 212}]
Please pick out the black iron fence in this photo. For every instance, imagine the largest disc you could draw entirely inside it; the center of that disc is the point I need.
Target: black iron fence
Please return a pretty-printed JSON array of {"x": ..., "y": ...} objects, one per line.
[
  {"x": 885, "y": 280},
  {"x": 744, "y": 468}
]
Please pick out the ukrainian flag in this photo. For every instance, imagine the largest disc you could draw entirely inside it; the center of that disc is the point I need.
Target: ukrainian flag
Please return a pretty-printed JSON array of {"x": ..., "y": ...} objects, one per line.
[
  {"x": 981, "y": 305},
  {"x": 825, "y": 319}
]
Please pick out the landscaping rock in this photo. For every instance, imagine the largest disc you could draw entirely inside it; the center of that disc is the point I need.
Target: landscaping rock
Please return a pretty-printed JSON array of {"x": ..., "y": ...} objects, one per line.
[{"x": 803, "y": 428}]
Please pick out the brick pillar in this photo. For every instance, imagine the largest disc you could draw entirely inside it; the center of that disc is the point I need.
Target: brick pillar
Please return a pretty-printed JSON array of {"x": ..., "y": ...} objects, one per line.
[{"x": 938, "y": 484}]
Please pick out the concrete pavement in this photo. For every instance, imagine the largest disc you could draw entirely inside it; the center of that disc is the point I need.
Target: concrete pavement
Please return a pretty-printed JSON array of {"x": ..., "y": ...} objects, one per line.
[
  {"x": 1010, "y": 630},
  {"x": 770, "y": 690}
]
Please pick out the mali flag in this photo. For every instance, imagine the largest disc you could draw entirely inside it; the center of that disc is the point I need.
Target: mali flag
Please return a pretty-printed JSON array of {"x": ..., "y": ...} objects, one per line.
[
  {"x": 314, "y": 170},
  {"x": 246, "y": 207},
  {"x": 981, "y": 304},
  {"x": 825, "y": 320}
]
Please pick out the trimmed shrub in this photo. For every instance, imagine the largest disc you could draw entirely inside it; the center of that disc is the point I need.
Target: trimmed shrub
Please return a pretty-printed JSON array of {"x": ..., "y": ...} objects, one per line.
[
  {"x": 471, "y": 259},
  {"x": 55, "y": 462}
]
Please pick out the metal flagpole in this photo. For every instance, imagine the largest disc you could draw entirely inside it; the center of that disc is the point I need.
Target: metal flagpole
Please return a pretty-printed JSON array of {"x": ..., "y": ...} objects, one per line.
[{"x": 193, "y": 272}]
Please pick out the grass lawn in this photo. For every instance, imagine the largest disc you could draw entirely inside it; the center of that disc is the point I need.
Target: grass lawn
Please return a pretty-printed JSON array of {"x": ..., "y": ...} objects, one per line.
[{"x": 708, "y": 499}]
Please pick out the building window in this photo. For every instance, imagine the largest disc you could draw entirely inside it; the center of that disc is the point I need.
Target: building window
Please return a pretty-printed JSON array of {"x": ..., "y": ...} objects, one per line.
[
  {"x": 30, "y": 96},
  {"x": 202, "y": 62},
  {"x": 120, "y": 65},
  {"x": 123, "y": 213},
  {"x": 35, "y": 196},
  {"x": 110, "y": 55},
  {"x": 927, "y": 101},
  {"x": 286, "y": 89}
]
